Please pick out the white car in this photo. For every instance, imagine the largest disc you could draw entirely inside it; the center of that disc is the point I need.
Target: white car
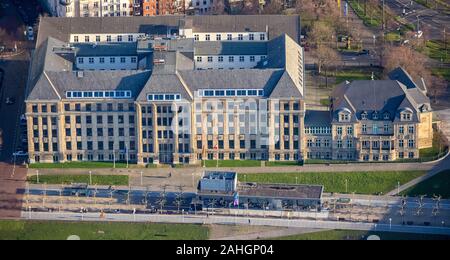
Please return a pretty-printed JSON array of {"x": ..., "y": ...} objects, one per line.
[
  {"x": 418, "y": 34},
  {"x": 20, "y": 153}
]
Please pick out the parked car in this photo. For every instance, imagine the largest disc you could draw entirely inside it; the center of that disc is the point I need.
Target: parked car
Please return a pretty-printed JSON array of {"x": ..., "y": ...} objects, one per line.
[
  {"x": 364, "y": 52},
  {"x": 20, "y": 154}
]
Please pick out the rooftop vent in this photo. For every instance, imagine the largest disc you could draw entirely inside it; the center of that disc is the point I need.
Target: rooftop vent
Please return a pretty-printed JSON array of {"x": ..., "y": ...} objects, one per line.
[{"x": 159, "y": 61}]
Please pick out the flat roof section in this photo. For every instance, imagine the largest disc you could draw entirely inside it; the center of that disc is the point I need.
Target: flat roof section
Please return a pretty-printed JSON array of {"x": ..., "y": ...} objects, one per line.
[{"x": 280, "y": 191}]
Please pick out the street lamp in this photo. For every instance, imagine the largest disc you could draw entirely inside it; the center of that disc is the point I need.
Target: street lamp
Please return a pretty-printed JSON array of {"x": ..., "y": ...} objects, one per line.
[
  {"x": 296, "y": 180},
  {"x": 37, "y": 176},
  {"x": 390, "y": 223},
  {"x": 90, "y": 177}
]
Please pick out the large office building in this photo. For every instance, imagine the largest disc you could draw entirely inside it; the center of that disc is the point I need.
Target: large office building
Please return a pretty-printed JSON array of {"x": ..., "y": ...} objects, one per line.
[
  {"x": 182, "y": 89},
  {"x": 168, "y": 89}
]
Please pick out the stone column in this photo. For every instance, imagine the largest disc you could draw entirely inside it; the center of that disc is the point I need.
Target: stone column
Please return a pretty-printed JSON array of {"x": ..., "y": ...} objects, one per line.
[
  {"x": 175, "y": 119},
  {"x": 155, "y": 134}
]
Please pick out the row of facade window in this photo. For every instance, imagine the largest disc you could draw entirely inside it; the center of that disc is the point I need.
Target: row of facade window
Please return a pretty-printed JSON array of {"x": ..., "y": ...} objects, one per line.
[
  {"x": 101, "y": 60},
  {"x": 229, "y": 37},
  {"x": 230, "y": 59},
  {"x": 100, "y": 132},
  {"x": 119, "y": 38},
  {"x": 120, "y": 119},
  {"x": 99, "y": 107},
  {"x": 245, "y": 156}
]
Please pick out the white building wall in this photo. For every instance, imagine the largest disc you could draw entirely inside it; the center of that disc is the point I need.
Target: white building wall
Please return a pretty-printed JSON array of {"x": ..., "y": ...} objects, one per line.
[
  {"x": 201, "y": 62},
  {"x": 104, "y": 37},
  {"x": 107, "y": 64},
  {"x": 235, "y": 36}
]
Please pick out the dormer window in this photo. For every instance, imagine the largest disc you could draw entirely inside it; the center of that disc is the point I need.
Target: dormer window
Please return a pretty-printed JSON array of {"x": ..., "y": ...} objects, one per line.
[
  {"x": 406, "y": 117},
  {"x": 375, "y": 116},
  {"x": 386, "y": 116},
  {"x": 406, "y": 114},
  {"x": 344, "y": 118},
  {"x": 344, "y": 115},
  {"x": 364, "y": 115}
]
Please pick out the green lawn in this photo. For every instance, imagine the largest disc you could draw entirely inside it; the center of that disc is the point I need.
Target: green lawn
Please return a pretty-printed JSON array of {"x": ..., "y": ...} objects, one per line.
[
  {"x": 358, "y": 182},
  {"x": 79, "y": 165},
  {"x": 232, "y": 163},
  {"x": 282, "y": 163},
  {"x": 361, "y": 235},
  {"x": 119, "y": 180},
  {"x": 373, "y": 16},
  {"x": 325, "y": 102},
  {"x": 46, "y": 230},
  {"x": 437, "y": 185},
  {"x": 393, "y": 37},
  {"x": 436, "y": 49},
  {"x": 351, "y": 75}
]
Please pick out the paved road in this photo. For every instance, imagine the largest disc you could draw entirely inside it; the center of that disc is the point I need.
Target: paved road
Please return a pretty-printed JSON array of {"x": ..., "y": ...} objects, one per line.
[
  {"x": 230, "y": 220},
  {"x": 15, "y": 70},
  {"x": 435, "y": 21}
]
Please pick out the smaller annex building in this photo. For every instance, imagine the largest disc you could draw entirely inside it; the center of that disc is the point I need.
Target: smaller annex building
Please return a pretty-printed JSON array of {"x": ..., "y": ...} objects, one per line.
[{"x": 223, "y": 190}]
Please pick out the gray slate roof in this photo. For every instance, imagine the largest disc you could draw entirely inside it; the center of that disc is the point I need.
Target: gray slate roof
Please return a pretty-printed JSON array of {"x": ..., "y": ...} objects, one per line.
[
  {"x": 164, "y": 83},
  {"x": 273, "y": 81},
  {"x": 53, "y": 75},
  {"x": 230, "y": 48},
  {"x": 375, "y": 96},
  {"x": 315, "y": 118},
  {"x": 106, "y": 49},
  {"x": 63, "y": 81},
  {"x": 275, "y": 24},
  {"x": 60, "y": 28}
]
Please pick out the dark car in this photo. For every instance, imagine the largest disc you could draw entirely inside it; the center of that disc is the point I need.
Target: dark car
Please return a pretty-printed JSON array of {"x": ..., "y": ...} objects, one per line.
[{"x": 364, "y": 52}]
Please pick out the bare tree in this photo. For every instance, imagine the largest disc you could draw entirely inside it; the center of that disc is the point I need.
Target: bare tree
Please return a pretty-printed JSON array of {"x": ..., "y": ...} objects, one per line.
[
  {"x": 320, "y": 34},
  {"x": 438, "y": 87},
  {"x": 407, "y": 58},
  {"x": 273, "y": 7},
  {"x": 319, "y": 9},
  {"x": 326, "y": 57},
  {"x": 249, "y": 7},
  {"x": 218, "y": 7}
]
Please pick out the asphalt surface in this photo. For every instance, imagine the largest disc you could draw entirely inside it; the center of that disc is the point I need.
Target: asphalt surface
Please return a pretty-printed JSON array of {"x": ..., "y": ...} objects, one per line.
[
  {"x": 234, "y": 220},
  {"x": 433, "y": 20},
  {"x": 15, "y": 71}
]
